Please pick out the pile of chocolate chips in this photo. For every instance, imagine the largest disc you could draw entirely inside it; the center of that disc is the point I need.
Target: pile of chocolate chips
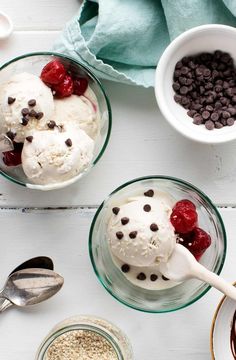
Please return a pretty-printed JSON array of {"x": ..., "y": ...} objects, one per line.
[{"x": 205, "y": 84}]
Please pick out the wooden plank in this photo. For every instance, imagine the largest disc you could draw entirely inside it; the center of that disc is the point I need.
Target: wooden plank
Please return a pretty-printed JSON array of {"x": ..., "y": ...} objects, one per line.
[
  {"x": 63, "y": 235},
  {"x": 22, "y": 42},
  {"x": 39, "y": 15}
]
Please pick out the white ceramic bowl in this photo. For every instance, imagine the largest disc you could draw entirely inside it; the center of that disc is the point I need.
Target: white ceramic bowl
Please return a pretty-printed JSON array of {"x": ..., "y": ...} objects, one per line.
[
  {"x": 6, "y": 26},
  {"x": 206, "y": 38},
  {"x": 221, "y": 329}
]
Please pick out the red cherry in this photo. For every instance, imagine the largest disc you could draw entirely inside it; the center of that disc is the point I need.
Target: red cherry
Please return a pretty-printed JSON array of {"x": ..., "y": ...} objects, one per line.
[
  {"x": 185, "y": 203},
  {"x": 184, "y": 220},
  {"x": 80, "y": 86},
  {"x": 196, "y": 241},
  {"x": 65, "y": 88},
  {"x": 13, "y": 157},
  {"x": 53, "y": 73}
]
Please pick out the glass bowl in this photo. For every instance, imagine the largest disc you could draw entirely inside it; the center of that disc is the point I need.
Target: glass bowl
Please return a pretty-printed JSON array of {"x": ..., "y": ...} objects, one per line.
[
  {"x": 156, "y": 301},
  {"x": 96, "y": 326},
  {"x": 34, "y": 63}
]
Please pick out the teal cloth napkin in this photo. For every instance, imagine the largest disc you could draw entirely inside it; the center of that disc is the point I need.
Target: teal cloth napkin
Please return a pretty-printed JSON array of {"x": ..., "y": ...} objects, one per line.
[{"x": 122, "y": 40}]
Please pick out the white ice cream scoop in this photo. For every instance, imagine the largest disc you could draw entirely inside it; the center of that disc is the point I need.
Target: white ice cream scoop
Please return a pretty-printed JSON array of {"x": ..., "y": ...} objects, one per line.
[
  {"x": 182, "y": 265},
  {"x": 140, "y": 233},
  {"x": 51, "y": 156},
  {"x": 6, "y": 26}
]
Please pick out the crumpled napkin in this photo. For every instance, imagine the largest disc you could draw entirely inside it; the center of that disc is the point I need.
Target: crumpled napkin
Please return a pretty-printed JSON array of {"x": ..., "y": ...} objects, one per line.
[{"x": 122, "y": 40}]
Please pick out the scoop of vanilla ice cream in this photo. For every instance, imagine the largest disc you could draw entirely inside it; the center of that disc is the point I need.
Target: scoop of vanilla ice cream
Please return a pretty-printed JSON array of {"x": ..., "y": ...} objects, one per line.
[
  {"x": 141, "y": 234},
  {"x": 53, "y": 156},
  {"x": 24, "y": 87},
  {"x": 80, "y": 111}
]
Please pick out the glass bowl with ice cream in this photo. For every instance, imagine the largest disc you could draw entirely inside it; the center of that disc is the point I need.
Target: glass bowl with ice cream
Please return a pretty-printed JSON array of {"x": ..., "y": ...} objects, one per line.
[
  {"x": 136, "y": 229},
  {"x": 55, "y": 120}
]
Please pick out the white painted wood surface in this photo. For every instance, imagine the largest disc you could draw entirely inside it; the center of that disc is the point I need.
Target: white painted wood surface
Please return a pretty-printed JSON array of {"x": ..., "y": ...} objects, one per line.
[
  {"x": 182, "y": 335},
  {"x": 141, "y": 144}
]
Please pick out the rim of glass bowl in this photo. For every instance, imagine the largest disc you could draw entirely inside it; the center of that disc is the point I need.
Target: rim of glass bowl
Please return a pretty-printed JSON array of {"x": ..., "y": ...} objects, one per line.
[
  {"x": 94, "y": 78},
  {"x": 87, "y": 327},
  {"x": 178, "y": 181}
]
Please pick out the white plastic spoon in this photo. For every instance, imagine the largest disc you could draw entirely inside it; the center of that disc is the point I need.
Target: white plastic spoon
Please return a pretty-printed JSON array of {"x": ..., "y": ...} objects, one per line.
[{"x": 182, "y": 265}]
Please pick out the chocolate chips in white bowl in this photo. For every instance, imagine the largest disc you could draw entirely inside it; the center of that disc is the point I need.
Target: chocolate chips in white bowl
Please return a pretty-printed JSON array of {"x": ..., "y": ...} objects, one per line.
[{"x": 205, "y": 85}]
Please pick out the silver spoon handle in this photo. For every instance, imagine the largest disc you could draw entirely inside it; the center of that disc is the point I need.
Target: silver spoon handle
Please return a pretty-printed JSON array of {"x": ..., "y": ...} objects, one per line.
[
  {"x": 214, "y": 280},
  {"x": 4, "y": 304}
]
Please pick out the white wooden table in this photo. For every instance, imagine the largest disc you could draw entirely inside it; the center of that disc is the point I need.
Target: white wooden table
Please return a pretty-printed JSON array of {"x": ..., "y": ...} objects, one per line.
[{"x": 57, "y": 223}]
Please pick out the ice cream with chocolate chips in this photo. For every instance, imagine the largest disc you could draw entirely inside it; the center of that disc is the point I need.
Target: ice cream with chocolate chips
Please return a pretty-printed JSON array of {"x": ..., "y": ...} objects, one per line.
[
  {"x": 80, "y": 111},
  {"x": 48, "y": 124},
  {"x": 52, "y": 156},
  {"x": 26, "y": 104},
  {"x": 140, "y": 236}
]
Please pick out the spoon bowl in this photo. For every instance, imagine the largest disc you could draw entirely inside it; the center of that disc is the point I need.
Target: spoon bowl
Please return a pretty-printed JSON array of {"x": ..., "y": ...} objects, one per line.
[
  {"x": 182, "y": 265},
  {"x": 31, "y": 286},
  {"x": 42, "y": 262}
]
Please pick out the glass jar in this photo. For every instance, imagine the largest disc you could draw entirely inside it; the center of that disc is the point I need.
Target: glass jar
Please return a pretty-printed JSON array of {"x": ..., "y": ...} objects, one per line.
[{"x": 111, "y": 335}]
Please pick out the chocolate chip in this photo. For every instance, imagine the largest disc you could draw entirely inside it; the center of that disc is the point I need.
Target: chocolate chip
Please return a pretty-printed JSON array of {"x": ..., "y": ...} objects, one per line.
[
  {"x": 32, "y": 102},
  {"x": 209, "y": 125},
  {"x": 29, "y": 138},
  {"x": 177, "y": 98},
  {"x": 182, "y": 80},
  {"x": 214, "y": 116},
  {"x": 176, "y": 86},
  {"x": 209, "y": 108},
  {"x": 115, "y": 210},
  {"x": 24, "y": 121},
  {"x": 178, "y": 65},
  {"x": 223, "y": 100},
  {"x": 234, "y": 99},
  {"x": 225, "y": 114},
  {"x": 125, "y": 268},
  {"x": 141, "y": 276},
  {"x": 25, "y": 111},
  {"x": 197, "y": 119},
  {"x": 133, "y": 234},
  {"x": 153, "y": 277},
  {"x": 191, "y": 113},
  {"x": 183, "y": 90},
  {"x": 33, "y": 113},
  {"x": 232, "y": 111},
  {"x": 124, "y": 220},
  {"x": 184, "y": 70},
  {"x": 11, "y": 100},
  {"x": 205, "y": 115},
  {"x": 39, "y": 115},
  {"x": 147, "y": 208},
  {"x": 230, "y": 121},
  {"x": 68, "y": 142},
  {"x": 51, "y": 124},
  {"x": 206, "y": 72},
  {"x": 164, "y": 278},
  {"x": 154, "y": 227},
  {"x": 218, "y": 105},
  {"x": 218, "y": 125},
  {"x": 119, "y": 235},
  {"x": 149, "y": 193},
  {"x": 11, "y": 135}
]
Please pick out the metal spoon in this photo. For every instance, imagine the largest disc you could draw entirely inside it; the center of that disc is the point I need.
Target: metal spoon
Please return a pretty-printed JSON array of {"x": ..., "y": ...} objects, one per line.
[
  {"x": 182, "y": 265},
  {"x": 31, "y": 286},
  {"x": 42, "y": 262}
]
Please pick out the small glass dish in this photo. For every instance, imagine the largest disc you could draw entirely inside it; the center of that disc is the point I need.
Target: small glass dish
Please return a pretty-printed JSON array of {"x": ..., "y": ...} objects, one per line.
[
  {"x": 34, "y": 63},
  {"x": 156, "y": 301},
  {"x": 112, "y": 337}
]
